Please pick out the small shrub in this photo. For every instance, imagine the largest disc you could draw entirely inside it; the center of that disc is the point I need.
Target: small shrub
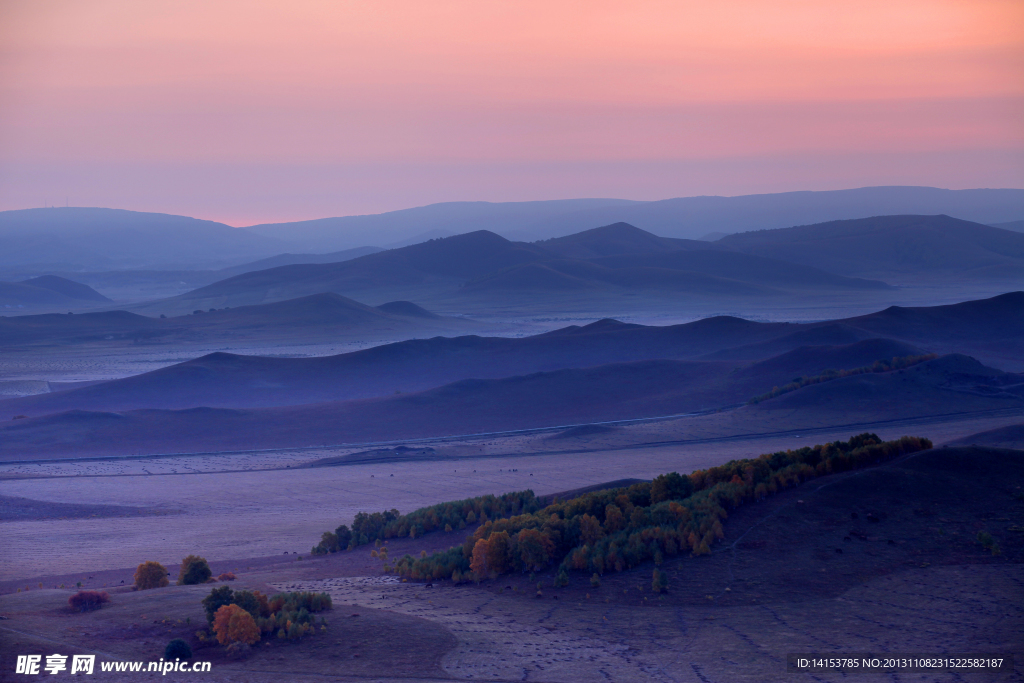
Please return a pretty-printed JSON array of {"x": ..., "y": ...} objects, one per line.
[
  {"x": 232, "y": 624},
  {"x": 150, "y": 575},
  {"x": 562, "y": 580},
  {"x": 989, "y": 543},
  {"x": 659, "y": 581},
  {"x": 238, "y": 650},
  {"x": 595, "y": 580},
  {"x": 227, "y": 576},
  {"x": 83, "y": 601},
  {"x": 194, "y": 570},
  {"x": 177, "y": 649}
]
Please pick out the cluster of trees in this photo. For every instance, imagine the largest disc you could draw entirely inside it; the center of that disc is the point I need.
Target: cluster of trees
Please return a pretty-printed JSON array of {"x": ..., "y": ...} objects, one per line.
[
  {"x": 194, "y": 570},
  {"x": 368, "y": 528},
  {"x": 83, "y": 601},
  {"x": 897, "y": 363},
  {"x": 247, "y": 616},
  {"x": 617, "y": 529}
]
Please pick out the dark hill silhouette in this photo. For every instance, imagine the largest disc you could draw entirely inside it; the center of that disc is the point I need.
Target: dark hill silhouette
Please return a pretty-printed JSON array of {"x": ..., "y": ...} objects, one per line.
[
  {"x": 811, "y": 360},
  {"x": 1016, "y": 226},
  {"x": 1011, "y": 436},
  {"x": 408, "y": 309},
  {"x": 320, "y": 313},
  {"x": 822, "y": 334},
  {"x": 1000, "y": 316},
  {"x": 69, "y": 288},
  {"x": 548, "y": 399},
  {"x": 949, "y": 384},
  {"x": 292, "y": 259},
  {"x": 482, "y": 264},
  {"x": 224, "y": 379},
  {"x": 316, "y": 309},
  {"x": 617, "y": 239},
  {"x": 899, "y": 247},
  {"x": 49, "y": 291},
  {"x": 78, "y": 327},
  {"x": 991, "y": 329},
  {"x": 229, "y": 380},
  {"x": 417, "y": 365},
  {"x": 451, "y": 261}
]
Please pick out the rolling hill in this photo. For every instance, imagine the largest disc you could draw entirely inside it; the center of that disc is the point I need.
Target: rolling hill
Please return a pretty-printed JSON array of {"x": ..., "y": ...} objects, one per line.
[
  {"x": 448, "y": 262},
  {"x": 105, "y": 239},
  {"x": 894, "y": 248},
  {"x": 484, "y": 264},
  {"x": 48, "y": 291},
  {"x": 320, "y": 314},
  {"x": 682, "y": 217},
  {"x": 548, "y": 399},
  {"x": 229, "y": 380}
]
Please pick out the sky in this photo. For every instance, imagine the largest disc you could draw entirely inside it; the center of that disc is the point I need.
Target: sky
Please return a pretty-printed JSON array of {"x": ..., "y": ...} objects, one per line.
[{"x": 251, "y": 111}]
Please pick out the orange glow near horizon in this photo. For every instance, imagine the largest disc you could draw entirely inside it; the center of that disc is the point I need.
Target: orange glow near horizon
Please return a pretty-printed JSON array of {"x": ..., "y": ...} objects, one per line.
[{"x": 123, "y": 85}]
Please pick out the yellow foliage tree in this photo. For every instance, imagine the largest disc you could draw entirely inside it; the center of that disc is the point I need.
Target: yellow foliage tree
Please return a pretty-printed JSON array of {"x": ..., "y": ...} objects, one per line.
[
  {"x": 232, "y": 624},
  {"x": 613, "y": 519},
  {"x": 590, "y": 529},
  {"x": 479, "y": 562},
  {"x": 150, "y": 575}
]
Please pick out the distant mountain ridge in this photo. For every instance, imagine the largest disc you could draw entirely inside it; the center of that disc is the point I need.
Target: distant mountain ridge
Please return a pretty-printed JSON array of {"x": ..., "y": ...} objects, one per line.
[
  {"x": 482, "y": 263},
  {"x": 68, "y": 239},
  {"x": 683, "y": 217},
  {"x": 114, "y": 238},
  {"x": 893, "y": 246}
]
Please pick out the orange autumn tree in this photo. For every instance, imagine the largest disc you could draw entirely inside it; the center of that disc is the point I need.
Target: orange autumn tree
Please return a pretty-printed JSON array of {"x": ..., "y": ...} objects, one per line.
[
  {"x": 150, "y": 575},
  {"x": 232, "y": 624},
  {"x": 478, "y": 565},
  {"x": 535, "y": 549}
]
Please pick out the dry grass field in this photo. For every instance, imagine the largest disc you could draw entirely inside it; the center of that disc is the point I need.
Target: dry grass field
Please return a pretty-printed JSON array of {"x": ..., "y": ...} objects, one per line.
[{"x": 805, "y": 571}]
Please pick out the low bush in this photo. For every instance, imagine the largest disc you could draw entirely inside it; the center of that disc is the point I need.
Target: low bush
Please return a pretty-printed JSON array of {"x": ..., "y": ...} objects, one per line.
[
  {"x": 83, "y": 601},
  {"x": 226, "y": 576},
  {"x": 177, "y": 649}
]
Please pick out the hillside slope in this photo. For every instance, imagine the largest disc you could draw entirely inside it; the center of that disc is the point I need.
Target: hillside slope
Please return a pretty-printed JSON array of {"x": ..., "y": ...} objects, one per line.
[
  {"x": 950, "y": 384},
  {"x": 894, "y": 248}
]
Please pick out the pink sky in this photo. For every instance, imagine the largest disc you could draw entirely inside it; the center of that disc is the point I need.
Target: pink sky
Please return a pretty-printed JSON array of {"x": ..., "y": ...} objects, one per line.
[{"x": 255, "y": 111}]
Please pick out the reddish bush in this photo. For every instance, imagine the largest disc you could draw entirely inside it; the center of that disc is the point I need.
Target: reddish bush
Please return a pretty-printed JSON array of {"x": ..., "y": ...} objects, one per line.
[
  {"x": 83, "y": 601},
  {"x": 226, "y": 576}
]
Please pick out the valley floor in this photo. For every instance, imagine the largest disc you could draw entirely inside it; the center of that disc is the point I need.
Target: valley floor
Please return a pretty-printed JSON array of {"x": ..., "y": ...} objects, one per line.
[{"x": 788, "y": 578}]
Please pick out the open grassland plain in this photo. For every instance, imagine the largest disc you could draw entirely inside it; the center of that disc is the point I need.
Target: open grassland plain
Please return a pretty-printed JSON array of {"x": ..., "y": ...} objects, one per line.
[
  {"x": 214, "y": 505},
  {"x": 883, "y": 559}
]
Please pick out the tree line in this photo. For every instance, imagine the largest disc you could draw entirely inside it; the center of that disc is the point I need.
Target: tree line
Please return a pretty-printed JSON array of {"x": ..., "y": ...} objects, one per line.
[
  {"x": 614, "y": 529},
  {"x": 897, "y": 363}
]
